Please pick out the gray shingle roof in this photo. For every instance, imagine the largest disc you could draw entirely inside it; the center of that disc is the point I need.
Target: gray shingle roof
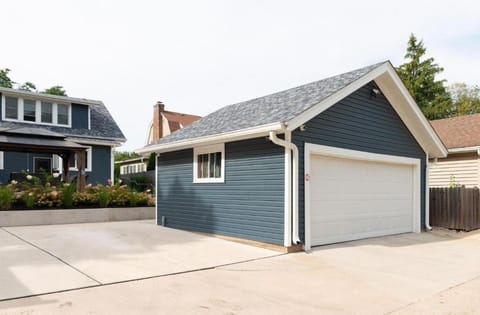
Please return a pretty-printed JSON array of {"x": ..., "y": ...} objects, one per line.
[
  {"x": 278, "y": 107},
  {"x": 102, "y": 126}
]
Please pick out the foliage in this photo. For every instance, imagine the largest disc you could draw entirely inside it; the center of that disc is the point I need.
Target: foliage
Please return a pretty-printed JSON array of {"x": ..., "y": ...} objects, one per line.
[
  {"x": 56, "y": 90},
  {"x": 151, "y": 162},
  {"x": 7, "y": 197},
  {"x": 5, "y": 80},
  {"x": 33, "y": 194},
  {"x": 465, "y": 99},
  {"x": 419, "y": 75},
  {"x": 125, "y": 155},
  {"x": 66, "y": 194},
  {"x": 28, "y": 86}
]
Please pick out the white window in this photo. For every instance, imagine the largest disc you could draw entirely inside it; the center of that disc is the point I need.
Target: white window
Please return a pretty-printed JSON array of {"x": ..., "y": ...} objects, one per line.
[
  {"x": 29, "y": 110},
  {"x": 1, "y": 160},
  {"x": 11, "y": 107},
  {"x": 209, "y": 164},
  {"x": 35, "y": 111},
  {"x": 47, "y": 113}
]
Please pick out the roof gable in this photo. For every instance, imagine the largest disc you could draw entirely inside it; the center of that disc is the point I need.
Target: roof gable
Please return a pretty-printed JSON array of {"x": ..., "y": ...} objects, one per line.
[{"x": 291, "y": 108}]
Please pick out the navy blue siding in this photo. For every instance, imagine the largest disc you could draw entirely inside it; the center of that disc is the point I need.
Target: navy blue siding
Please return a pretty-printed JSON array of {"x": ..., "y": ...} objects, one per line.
[
  {"x": 360, "y": 122},
  {"x": 20, "y": 161},
  {"x": 250, "y": 204},
  {"x": 79, "y": 116}
]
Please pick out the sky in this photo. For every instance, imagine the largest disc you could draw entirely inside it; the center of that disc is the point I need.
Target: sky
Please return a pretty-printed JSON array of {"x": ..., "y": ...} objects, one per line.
[{"x": 198, "y": 56}]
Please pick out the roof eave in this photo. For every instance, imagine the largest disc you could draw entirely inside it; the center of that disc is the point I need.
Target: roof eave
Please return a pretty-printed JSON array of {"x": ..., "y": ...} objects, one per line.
[{"x": 236, "y": 135}]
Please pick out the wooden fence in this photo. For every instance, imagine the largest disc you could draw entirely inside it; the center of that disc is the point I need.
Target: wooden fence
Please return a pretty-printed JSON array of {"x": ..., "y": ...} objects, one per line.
[{"x": 455, "y": 208}]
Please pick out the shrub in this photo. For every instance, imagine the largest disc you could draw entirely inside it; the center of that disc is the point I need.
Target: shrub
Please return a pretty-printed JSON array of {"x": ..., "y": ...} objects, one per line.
[
  {"x": 29, "y": 199},
  {"x": 66, "y": 194},
  {"x": 133, "y": 198},
  {"x": 7, "y": 197},
  {"x": 104, "y": 196}
]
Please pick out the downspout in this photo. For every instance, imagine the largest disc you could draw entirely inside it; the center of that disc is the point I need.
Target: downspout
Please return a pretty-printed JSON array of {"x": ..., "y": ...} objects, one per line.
[
  {"x": 427, "y": 196},
  {"x": 294, "y": 208}
]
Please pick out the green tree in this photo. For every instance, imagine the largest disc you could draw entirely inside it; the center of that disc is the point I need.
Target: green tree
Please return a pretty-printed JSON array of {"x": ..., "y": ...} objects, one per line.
[
  {"x": 465, "y": 99},
  {"x": 5, "y": 80},
  {"x": 418, "y": 73},
  {"x": 28, "y": 86},
  {"x": 56, "y": 90},
  {"x": 151, "y": 162}
]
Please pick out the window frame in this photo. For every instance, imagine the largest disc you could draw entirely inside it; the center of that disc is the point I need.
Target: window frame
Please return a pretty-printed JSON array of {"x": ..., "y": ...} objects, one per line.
[
  {"x": 89, "y": 159},
  {"x": 57, "y": 162},
  {"x": 208, "y": 150},
  {"x": 38, "y": 111}
]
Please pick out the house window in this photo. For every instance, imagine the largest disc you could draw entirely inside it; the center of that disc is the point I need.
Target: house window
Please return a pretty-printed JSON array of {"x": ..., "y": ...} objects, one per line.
[
  {"x": 47, "y": 112},
  {"x": 209, "y": 164},
  {"x": 29, "y": 110},
  {"x": 62, "y": 114},
  {"x": 35, "y": 111},
  {"x": 11, "y": 107}
]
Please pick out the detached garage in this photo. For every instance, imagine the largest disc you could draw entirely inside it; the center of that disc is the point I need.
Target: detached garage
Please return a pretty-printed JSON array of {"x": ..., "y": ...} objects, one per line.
[{"x": 335, "y": 160}]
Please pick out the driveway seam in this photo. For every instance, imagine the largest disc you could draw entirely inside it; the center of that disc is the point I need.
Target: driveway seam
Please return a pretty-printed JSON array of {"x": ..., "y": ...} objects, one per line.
[
  {"x": 52, "y": 255},
  {"x": 100, "y": 284}
]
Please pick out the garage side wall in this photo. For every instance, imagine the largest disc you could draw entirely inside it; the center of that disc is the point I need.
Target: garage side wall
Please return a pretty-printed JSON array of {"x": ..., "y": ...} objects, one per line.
[
  {"x": 249, "y": 204},
  {"x": 360, "y": 122}
]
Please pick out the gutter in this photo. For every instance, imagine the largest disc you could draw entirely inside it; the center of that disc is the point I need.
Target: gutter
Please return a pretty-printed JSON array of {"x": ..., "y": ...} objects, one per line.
[
  {"x": 293, "y": 209},
  {"x": 427, "y": 196}
]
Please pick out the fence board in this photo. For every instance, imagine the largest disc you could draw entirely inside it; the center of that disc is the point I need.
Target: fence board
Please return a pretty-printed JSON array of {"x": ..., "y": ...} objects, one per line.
[{"x": 455, "y": 208}]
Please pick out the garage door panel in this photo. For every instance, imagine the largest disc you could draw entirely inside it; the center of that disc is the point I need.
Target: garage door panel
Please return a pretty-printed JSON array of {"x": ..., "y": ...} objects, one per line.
[{"x": 353, "y": 199}]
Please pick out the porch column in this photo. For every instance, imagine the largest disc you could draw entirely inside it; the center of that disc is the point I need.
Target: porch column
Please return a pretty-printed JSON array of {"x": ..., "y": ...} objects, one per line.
[
  {"x": 66, "y": 166},
  {"x": 81, "y": 170}
]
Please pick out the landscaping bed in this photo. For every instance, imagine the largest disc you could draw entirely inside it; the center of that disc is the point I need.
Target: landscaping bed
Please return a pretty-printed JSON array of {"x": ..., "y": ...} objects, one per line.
[{"x": 33, "y": 194}]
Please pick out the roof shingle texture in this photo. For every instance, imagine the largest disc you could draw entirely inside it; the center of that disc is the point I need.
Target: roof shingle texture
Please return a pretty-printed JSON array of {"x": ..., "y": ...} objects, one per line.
[
  {"x": 102, "y": 126},
  {"x": 458, "y": 132},
  {"x": 273, "y": 108}
]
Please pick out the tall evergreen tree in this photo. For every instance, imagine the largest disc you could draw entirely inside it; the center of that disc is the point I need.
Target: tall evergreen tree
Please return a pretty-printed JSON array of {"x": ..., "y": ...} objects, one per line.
[{"x": 418, "y": 73}]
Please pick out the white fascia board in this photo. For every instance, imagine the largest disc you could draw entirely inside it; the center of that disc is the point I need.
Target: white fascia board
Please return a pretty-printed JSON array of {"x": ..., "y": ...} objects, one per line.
[
  {"x": 416, "y": 122},
  {"x": 395, "y": 91},
  {"x": 335, "y": 98},
  {"x": 464, "y": 149},
  {"x": 236, "y": 135},
  {"x": 48, "y": 97}
]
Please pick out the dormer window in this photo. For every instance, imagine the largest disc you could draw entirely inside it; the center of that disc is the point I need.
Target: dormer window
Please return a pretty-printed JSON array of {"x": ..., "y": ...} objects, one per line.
[{"x": 35, "y": 111}]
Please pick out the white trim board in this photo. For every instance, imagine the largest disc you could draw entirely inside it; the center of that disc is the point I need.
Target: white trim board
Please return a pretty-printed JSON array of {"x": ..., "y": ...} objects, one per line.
[{"x": 364, "y": 156}]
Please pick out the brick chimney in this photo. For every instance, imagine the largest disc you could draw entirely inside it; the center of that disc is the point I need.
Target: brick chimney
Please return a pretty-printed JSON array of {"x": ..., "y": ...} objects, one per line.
[{"x": 158, "y": 108}]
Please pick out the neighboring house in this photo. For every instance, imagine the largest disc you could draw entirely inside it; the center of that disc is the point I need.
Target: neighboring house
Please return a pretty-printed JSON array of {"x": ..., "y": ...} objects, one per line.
[
  {"x": 56, "y": 134},
  {"x": 163, "y": 123},
  {"x": 461, "y": 136},
  {"x": 339, "y": 159}
]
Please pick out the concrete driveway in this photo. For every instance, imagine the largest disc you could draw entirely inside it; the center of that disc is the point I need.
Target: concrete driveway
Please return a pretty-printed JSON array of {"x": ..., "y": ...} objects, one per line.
[
  {"x": 41, "y": 259},
  {"x": 429, "y": 273}
]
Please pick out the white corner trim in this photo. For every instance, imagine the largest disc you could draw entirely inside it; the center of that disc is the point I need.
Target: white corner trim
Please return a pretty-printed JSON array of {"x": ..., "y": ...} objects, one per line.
[
  {"x": 1, "y": 160},
  {"x": 155, "y": 191},
  {"x": 205, "y": 150},
  {"x": 236, "y": 135},
  {"x": 365, "y": 156},
  {"x": 287, "y": 238}
]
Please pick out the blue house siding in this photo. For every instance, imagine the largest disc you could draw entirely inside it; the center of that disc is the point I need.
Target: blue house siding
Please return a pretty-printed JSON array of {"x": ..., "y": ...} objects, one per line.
[
  {"x": 79, "y": 116},
  {"x": 249, "y": 204},
  {"x": 20, "y": 161},
  {"x": 364, "y": 123}
]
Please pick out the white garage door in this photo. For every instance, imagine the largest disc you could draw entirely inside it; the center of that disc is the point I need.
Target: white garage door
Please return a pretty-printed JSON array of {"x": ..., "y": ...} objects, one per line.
[{"x": 353, "y": 199}]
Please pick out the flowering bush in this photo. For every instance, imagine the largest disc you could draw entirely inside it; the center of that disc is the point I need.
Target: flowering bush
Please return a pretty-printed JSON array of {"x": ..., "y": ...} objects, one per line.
[{"x": 32, "y": 194}]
